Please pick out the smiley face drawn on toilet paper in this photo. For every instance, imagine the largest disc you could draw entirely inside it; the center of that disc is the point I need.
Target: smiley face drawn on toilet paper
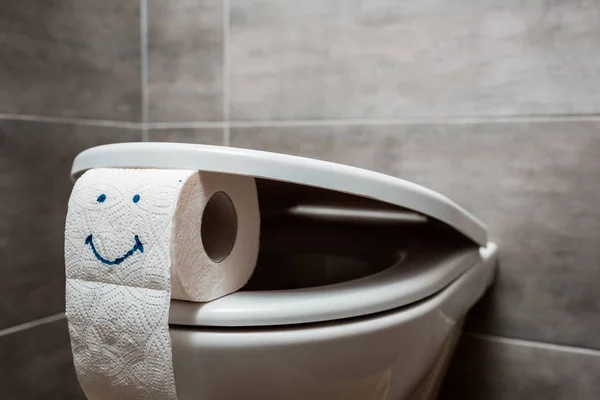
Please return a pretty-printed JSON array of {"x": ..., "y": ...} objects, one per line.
[
  {"x": 118, "y": 226},
  {"x": 138, "y": 245}
]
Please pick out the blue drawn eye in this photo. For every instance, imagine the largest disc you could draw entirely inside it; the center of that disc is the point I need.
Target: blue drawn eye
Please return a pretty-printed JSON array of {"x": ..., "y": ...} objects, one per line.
[
  {"x": 101, "y": 198},
  {"x": 136, "y": 198}
]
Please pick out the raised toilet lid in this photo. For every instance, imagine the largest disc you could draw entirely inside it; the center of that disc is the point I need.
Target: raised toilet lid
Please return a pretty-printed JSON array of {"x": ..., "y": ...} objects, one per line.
[{"x": 407, "y": 279}]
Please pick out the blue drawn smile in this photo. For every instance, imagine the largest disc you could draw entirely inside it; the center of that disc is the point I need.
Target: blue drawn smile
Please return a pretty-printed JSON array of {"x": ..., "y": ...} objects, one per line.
[{"x": 137, "y": 246}]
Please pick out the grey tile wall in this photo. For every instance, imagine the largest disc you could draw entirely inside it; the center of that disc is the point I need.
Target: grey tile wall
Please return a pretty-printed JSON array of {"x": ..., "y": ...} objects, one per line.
[
  {"x": 35, "y": 162},
  {"x": 534, "y": 184},
  {"x": 349, "y": 59},
  {"x": 212, "y": 136},
  {"x": 37, "y": 364},
  {"x": 72, "y": 58},
  {"x": 185, "y": 60},
  {"x": 500, "y": 369}
]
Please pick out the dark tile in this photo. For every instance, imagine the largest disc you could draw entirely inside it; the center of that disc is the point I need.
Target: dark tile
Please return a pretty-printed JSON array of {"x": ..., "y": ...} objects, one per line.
[
  {"x": 343, "y": 59},
  {"x": 37, "y": 364},
  {"x": 70, "y": 58},
  {"x": 35, "y": 162},
  {"x": 185, "y": 60},
  {"x": 534, "y": 184},
  {"x": 212, "y": 136},
  {"x": 500, "y": 369}
]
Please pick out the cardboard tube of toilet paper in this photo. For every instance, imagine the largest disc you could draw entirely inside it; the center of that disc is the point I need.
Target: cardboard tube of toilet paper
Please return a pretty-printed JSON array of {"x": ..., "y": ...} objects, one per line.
[{"x": 134, "y": 239}]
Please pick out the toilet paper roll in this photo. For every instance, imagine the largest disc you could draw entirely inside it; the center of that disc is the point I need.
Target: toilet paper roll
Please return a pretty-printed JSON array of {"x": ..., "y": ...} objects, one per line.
[{"x": 134, "y": 239}]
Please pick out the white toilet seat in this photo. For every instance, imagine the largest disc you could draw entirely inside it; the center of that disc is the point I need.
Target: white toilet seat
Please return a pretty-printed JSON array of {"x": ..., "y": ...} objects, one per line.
[
  {"x": 421, "y": 274},
  {"x": 406, "y": 282}
]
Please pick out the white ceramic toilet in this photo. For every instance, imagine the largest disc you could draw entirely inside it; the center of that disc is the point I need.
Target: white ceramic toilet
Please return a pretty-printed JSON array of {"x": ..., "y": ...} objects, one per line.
[{"x": 361, "y": 287}]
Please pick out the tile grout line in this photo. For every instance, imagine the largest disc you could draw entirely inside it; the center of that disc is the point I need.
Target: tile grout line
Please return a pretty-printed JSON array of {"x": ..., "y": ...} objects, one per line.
[
  {"x": 375, "y": 122},
  {"x": 144, "y": 67},
  {"x": 297, "y": 123},
  {"x": 532, "y": 343},
  {"x": 226, "y": 72},
  {"x": 32, "y": 324},
  {"x": 186, "y": 125},
  {"x": 415, "y": 121},
  {"x": 70, "y": 121}
]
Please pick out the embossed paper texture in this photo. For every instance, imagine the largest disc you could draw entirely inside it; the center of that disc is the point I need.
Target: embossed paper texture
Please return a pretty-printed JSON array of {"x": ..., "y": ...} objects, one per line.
[{"x": 117, "y": 243}]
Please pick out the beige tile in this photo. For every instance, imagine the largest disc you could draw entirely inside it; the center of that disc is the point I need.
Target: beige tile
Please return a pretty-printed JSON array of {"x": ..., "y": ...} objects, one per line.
[
  {"x": 347, "y": 59},
  {"x": 185, "y": 60},
  {"x": 35, "y": 162},
  {"x": 534, "y": 184},
  {"x": 72, "y": 58}
]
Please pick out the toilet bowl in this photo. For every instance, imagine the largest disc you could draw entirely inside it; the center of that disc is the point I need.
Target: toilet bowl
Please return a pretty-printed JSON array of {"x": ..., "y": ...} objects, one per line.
[{"x": 361, "y": 287}]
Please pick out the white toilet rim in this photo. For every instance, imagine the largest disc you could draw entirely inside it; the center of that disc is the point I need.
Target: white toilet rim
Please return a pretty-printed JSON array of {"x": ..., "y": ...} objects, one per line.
[{"x": 416, "y": 278}]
